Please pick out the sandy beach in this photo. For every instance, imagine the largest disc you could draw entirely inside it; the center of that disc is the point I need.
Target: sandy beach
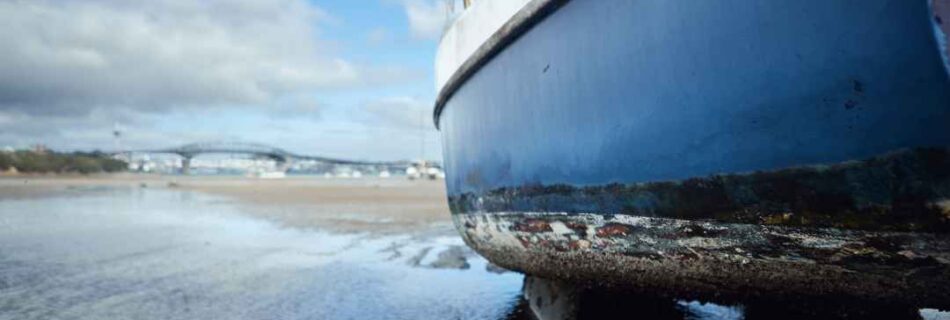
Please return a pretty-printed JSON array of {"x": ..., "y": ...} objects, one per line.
[{"x": 349, "y": 205}]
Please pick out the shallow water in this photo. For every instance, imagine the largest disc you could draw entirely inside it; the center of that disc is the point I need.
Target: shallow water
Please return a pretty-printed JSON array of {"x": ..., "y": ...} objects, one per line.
[
  {"x": 162, "y": 254},
  {"x": 142, "y": 253}
]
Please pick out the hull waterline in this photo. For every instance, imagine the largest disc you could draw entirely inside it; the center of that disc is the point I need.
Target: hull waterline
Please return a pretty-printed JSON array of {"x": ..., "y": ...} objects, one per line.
[{"x": 785, "y": 149}]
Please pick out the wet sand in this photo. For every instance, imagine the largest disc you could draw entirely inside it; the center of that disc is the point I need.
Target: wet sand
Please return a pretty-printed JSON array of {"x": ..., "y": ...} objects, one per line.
[
  {"x": 377, "y": 205},
  {"x": 390, "y": 205}
]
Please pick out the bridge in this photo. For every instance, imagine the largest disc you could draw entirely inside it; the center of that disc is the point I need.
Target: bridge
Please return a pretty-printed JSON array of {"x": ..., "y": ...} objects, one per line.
[{"x": 282, "y": 157}]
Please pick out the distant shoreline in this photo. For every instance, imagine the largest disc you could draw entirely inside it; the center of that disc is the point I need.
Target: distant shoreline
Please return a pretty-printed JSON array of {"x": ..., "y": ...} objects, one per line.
[{"x": 349, "y": 205}]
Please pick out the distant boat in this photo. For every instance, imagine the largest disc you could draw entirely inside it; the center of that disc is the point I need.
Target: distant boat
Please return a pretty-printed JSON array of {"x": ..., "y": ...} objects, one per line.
[
  {"x": 733, "y": 149},
  {"x": 424, "y": 170}
]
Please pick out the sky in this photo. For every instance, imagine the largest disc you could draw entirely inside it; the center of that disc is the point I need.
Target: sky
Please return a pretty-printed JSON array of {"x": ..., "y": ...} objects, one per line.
[{"x": 344, "y": 78}]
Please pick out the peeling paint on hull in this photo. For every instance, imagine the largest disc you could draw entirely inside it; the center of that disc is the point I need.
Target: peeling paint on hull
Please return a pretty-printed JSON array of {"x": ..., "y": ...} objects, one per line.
[
  {"x": 868, "y": 229},
  {"x": 709, "y": 259}
]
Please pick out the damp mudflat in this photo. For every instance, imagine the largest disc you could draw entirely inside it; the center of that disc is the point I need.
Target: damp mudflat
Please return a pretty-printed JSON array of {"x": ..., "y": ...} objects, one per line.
[{"x": 158, "y": 250}]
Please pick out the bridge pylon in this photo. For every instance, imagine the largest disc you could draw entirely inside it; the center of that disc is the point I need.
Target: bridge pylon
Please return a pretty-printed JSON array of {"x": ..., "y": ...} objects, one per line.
[
  {"x": 186, "y": 163},
  {"x": 283, "y": 164}
]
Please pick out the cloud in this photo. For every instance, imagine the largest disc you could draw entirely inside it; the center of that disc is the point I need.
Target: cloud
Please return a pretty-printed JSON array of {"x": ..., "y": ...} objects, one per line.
[
  {"x": 178, "y": 71},
  {"x": 88, "y": 131},
  {"x": 427, "y": 18},
  {"x": 297, "y": 107},
  {"x": 399, "y": 113},
  {"x": 72, "y": 57},
  {"x": 401, "y": 126},
  {"x": 378, "y": 36}
]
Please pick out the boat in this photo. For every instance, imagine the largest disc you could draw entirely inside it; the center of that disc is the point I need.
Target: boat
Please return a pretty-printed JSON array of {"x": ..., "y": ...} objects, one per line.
[{"x": 729, "y": 149}]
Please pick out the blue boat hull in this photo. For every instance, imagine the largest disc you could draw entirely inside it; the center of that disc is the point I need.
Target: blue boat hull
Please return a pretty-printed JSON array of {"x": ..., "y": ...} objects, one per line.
[{"x": 714, "y": 147}]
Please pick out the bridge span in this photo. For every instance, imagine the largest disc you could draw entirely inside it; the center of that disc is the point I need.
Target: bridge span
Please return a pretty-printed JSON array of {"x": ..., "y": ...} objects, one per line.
[{"x": 283, "y": 157}]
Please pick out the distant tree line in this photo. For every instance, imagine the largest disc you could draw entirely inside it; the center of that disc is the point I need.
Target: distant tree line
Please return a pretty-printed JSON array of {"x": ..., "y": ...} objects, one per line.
[{"x": 60, "y": 162}]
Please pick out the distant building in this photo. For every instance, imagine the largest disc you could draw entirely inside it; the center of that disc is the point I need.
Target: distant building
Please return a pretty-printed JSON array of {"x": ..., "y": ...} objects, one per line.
[{"x": 39, "y": 148}]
